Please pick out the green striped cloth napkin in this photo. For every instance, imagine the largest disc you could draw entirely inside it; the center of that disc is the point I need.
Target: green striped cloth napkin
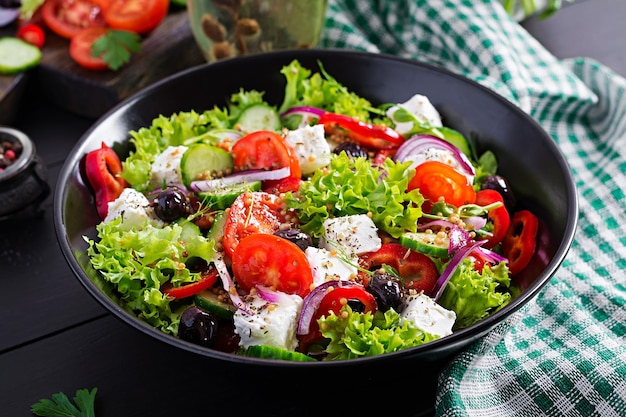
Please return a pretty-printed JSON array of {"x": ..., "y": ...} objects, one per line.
[{"x": 564, "y": 353}]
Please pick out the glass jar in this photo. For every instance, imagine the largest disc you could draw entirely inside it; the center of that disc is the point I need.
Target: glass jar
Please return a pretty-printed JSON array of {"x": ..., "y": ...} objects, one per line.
[{"x": 230, "y": 28}]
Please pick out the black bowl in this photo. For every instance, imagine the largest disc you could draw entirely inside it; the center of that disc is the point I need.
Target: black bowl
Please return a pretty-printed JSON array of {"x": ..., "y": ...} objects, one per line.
[{"x": 528, "y": 158}]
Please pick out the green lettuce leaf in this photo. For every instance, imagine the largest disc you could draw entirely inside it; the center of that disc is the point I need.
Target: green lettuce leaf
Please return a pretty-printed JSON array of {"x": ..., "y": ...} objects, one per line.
[
  {"x": 353, "y": 186},
  {"x": 473, "y": 295}
]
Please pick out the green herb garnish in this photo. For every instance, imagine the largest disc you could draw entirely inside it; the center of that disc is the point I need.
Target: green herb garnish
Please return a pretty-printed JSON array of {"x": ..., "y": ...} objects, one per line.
[{"x": 61, "y": 406}]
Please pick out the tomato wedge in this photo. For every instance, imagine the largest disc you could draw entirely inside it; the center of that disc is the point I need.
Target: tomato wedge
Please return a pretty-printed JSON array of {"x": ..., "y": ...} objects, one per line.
[
  {"x": 252, "y": 212},
  {"x": 520, "y": 241},
  {"x": 365, "y": 134},
  {"x": 80, "y": 49},
  {"x": 68, "y": 17},
  {"x": 272, "y": 261},
  {"x": 416, "y": 270},
  {"x": 499, "y": 217},
  {"x": 139, "y": 16},
  {"x": 435, "y": 179},
  {"x": 102, "y": 167},
  {"x": 209, "y": 278}
]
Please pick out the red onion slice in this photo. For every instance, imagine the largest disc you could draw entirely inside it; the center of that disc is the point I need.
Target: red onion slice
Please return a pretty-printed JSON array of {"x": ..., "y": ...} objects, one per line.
[
  {"x": 418, "y": 144},
  {"x": 267, "y": 294},
  {"x": 447, "y": 273},
  {"x": 459, "y": 238},
  {"x": 305, "y": 111},
  {"x": 312, "y": 301},
  {"x": 229, "y": 285},
  {"x": 246, "y": 176}
]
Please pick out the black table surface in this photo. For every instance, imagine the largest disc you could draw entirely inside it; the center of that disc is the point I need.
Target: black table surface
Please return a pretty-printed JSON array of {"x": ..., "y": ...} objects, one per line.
[{"x": 54, "y": 337}]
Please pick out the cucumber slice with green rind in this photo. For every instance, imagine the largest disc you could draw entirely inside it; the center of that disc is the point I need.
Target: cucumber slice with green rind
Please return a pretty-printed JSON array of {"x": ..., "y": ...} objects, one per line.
[
  {"x": 202, "y": 159},
  {"x": 271, "y": 352},
  {"x": 224, "y": 198},
  {"x": 208, "y": 301},
  {"x": 426, "y": 243},
  {"x": 17, "y": 55},
  {"x": 259, "y": 116}
]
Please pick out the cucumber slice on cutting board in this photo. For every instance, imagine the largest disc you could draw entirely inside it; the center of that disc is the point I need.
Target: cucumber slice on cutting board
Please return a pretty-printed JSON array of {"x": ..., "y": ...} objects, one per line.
[
  {"x": 426, "y": 243},
  {"x": 17, "y": 55},
  {"x": 204, "y": 159}
]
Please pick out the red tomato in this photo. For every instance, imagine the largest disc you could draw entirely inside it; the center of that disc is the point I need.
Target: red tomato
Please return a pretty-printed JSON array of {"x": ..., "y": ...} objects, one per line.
[
  {"x": 80, "y": 49},
  {"x": 139, "y": 16},
  {"x": 209, "y": 278},
  {"x": 365, "y": 134},
  {"x": 68, "y": 17},
  {"x": 285, "y": 185},
  {"x": 499, "y": 217},
  {"x": 272, "y": 261},
  {"x": 265, "y": 150},
  {"x": 435, "y": 179},
  {"x": 32, "y": 34},
  {"x": 521, "y": 240},
  {"x": 102, "y": 167},
  {"x": 254, "y": 212},
  {"x": 417, "y": 270}
]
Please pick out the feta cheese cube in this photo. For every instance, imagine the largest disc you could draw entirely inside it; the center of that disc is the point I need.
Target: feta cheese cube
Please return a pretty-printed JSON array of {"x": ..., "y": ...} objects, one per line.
[
  {"x": 272, "y": 324},
  {"x": 311, "y": 147},
  {"x": 421, "y": 107},
  {"x": 327, "y": 266},
  {"x": 354, "y": 235},
  {"x": 424, "y": 313},
  {"x": 165, "y": 169},
  {"x": 134, "y": 209}
]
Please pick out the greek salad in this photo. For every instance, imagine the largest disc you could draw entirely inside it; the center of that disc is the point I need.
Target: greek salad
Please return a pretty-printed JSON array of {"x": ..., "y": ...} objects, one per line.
[{"x": 324, "y": 228}]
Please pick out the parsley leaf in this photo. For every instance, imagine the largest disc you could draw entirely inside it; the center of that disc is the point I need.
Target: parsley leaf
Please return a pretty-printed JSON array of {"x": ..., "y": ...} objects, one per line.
[
  {"x": 61, "y": 406},
  {"x": 116, "y": 46}
]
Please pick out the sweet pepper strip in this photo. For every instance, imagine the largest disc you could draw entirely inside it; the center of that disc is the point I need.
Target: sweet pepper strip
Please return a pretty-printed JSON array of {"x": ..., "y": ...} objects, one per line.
[
  {"x": 103, "y": 167},
  {"x": 521, "y": 240},
  {"x": 365, "y": 134}
]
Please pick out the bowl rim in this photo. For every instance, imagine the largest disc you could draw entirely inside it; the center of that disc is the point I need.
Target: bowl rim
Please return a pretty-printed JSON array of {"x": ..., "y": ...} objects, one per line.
[{"x": 444, "y": 346}]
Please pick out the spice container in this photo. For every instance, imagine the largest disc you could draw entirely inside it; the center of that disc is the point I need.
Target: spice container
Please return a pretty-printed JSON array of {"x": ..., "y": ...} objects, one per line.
[
  {"x": 230, "y": 28},
  {"x": 23, "y": 177}
]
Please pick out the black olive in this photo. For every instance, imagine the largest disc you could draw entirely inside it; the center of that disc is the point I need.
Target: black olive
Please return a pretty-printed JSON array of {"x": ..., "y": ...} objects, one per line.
[
  {"x": 296, "y": 236},
  {"x": 356, "y": 305},
  {"x": 386, "y": 289},
  {"x": 171, "y": 204},
  {"x": 197, "y": 326},
  {"x": 351, "y": 149},
  {"x": 10, "y": 4},
  {"x": 500, "y": 184}
]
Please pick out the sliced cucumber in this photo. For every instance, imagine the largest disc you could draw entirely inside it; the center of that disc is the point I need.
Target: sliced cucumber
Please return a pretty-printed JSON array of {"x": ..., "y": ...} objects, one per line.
[
  {"x": 225, "y": 197},
  {"x": 17, "y": 55},
  {"x": 208, "y": 301},
  {"x": 201, "y": 159},
  {"x": 455, "y": 138},
  {"x": 216, "y": 232},
  {"x": 271, "y": 352},
  {"x": 259, "y": 116},
  {"x": 426, "y": 243}
]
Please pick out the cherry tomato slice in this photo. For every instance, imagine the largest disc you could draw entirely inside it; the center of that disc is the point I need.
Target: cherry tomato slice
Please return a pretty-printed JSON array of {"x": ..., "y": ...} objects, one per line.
[
  {"x": 209, "y": 278},
  {"x": 272, "y": 261},
  {"x": 254, "y": 212},
  {"x": 264, "y": 149},
  {"x": 68, "y": 17},
  {"x": 417, "y": 270},
  {"x": 520, "y": 241},
  {"x": 499, "y": 217},
  {"x": 103, "y": 167},
  {"x": 80, "y": 49},
  {"x": 32, "y": 34},
  {"x": 139, "y": 16},
  {"x": 365, "y": 134},
  {"x": 435, "y": 179}
]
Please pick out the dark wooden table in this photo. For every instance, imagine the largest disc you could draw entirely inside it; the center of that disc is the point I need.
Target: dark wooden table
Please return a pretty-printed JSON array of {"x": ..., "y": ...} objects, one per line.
[{"x": 55, "y": 337}]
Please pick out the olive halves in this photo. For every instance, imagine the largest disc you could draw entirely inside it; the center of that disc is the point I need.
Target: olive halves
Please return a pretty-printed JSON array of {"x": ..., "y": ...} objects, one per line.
[{"x": 197, "y": 326}]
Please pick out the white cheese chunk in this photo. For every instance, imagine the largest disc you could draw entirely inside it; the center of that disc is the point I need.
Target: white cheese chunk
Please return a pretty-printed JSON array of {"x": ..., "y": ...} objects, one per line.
[
  {"x": 311, "y": 147},
  {"x": 424, "y": 313},
  {"x": 272, "y": 324},
  {"x": 421, "y": 107},
  {"x": 134, "y": 209},
  {"x": 354, "y": 235},
  {"x": 165, "y": 169},
  {"x": 327, "y": 266}
]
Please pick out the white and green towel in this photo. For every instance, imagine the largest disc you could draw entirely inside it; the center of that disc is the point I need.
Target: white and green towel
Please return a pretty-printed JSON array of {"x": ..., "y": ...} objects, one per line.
[{"x": 564, "y": 353}]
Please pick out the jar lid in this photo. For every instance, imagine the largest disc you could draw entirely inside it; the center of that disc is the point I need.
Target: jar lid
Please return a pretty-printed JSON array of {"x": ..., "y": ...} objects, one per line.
[{"x": 26, "y": 156}]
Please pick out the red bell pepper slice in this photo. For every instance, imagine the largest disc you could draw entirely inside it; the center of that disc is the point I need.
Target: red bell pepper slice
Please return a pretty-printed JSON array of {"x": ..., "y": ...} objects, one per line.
[
  {"x": 499, "y": 217},
  {"x": 209, "y": 278},
  {"x": 365, "y": 134},
  {"x": 520, "y": 241},
  {"x": 103, "y": 167}
]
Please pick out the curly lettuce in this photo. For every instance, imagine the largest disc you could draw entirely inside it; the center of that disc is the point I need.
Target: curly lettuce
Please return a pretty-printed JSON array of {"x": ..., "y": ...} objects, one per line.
[
  {"x": 353, "y": 186},
  {"x": 353, "y": 335},
  {"x": 138, "y": 262},
  {"x": 474, "y": 295}
]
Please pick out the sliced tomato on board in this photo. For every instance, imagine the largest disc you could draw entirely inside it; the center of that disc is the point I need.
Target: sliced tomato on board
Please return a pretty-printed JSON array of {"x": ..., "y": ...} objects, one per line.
[
  {"x": 68, "y": 17},
  {"x": 33, "y": 34},
  {"x": 139, "y": 16},
  {"x": 499, "y": 217},
  {"x": 80, "y": 49},
  {"x": 520, "y": 242},
  {"x": 272, "y": 261},
  {"x": 435, "y": 179},
  {"x": 252, "y": 212}
]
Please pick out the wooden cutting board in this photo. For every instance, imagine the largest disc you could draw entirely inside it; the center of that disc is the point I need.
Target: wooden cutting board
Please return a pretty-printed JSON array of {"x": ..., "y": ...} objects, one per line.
[{"x": 169, "y": 49}]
